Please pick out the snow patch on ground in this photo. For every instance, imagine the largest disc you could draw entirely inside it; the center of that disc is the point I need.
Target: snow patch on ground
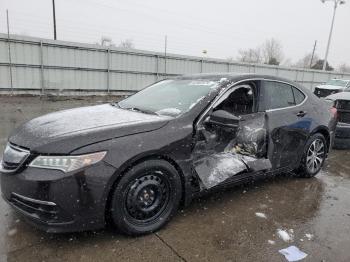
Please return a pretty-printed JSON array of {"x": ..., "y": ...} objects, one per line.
[
  {"x": 261, "y": 215},
  {"x": 309, "y": 236},
  {"x": 12, "y": 232},
  {"x": 286, "y": 236}
]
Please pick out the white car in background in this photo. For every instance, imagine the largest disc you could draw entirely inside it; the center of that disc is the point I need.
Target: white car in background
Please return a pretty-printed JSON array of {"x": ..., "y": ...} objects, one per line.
[{"x": 332, "y": 87}]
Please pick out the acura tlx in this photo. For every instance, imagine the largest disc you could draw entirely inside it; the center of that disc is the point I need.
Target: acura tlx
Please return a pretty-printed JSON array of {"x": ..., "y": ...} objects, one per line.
[{"x": 133, "y": 163}]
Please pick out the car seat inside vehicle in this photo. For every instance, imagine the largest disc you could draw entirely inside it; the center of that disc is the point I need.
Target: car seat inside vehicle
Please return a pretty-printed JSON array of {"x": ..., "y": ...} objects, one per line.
[{"x": 239, "y": 102}]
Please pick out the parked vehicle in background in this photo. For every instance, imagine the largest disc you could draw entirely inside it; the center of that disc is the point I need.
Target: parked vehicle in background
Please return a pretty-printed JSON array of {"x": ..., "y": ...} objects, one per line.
[
  {"x": 133, "y": 163},
  {"x": 341, "y": 101},
  {"x": 332, "y": 87}
]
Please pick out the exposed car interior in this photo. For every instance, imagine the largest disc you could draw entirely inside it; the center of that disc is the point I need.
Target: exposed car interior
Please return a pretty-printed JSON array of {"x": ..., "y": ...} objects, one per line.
[{"x": 239, "y": 102}]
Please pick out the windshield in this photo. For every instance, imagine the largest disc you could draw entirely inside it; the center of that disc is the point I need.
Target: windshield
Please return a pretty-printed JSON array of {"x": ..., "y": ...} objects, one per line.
[
  {"x": 337, "y": 82},
  {"x": 169, "y": 97}
]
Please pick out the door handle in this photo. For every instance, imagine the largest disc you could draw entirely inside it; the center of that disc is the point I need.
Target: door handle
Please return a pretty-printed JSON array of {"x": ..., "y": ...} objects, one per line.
[{"x": 301, "y": 114}]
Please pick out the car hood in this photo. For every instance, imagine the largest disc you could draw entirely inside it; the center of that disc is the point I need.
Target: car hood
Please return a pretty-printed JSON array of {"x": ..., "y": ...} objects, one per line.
[
  {"x": 64, "y": 131},
  {"x": 330, "y": 87}
]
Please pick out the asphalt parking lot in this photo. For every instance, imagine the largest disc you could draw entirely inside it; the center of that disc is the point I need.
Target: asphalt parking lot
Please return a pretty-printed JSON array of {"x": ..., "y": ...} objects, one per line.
[{"x": 238, "y": 224}]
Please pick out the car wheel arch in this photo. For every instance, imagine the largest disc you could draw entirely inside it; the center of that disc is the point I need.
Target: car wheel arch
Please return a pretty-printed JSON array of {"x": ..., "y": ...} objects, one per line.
[{"x": 127, "y": 166}]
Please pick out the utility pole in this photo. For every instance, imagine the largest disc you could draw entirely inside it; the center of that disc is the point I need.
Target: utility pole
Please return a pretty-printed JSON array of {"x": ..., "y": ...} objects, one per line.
[
  {"x": 9, "y": 49},
  {"x": 54, "y": 20},
  {"x": 313, "y": 54},
  {"x": 336, "y": 3},
  {"x": 165, "y": 53}
]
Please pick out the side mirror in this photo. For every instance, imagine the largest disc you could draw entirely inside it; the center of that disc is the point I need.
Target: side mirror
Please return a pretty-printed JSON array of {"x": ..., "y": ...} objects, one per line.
[{"x": 223, "y": 119}]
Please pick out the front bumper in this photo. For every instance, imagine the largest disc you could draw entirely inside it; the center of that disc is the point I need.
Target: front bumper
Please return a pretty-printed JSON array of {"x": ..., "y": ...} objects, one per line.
[
  {"x": 58, "y": 202},
  {"x": 342, "y": 136}
]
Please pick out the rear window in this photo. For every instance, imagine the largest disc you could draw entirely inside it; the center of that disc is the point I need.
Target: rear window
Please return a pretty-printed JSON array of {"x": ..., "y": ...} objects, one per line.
[
  {"x": 343, "y": 104},
  {"x": 298, "y": 96}
]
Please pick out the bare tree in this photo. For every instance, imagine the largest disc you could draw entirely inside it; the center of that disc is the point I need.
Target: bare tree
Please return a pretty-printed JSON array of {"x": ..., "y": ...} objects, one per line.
[
  {"x": 106, "y": 41},
  {"x": 127, "y": 44},
  {"x": 319, "y": 65},
  {"x": 305, "y": 61},
  {"x": 344, "y": 68},
  {"x": 272, "y": 52},
  {"x": 251, "y": 55}
]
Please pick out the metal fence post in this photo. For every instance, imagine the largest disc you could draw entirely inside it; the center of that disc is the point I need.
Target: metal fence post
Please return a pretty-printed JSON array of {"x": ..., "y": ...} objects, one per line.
[
  {"x": 201, "y": 65},
  {"x": 228, "y": 67},
  {"x": 42, "y": 67},
  {"x": 302, "y": 78},
  {"x": 313, "y": 79},
  {"x": 157, "y": 67},
  {"x": 108, "y": 69}
]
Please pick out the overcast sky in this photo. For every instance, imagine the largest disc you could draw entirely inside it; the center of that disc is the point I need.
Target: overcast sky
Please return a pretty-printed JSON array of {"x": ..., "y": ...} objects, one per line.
[{"x": 222, "y": 27}]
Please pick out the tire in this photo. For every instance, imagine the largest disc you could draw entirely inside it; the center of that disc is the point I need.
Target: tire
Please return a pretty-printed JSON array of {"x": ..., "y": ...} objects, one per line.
[
  {"x": 314, "y": 156},
  {"x": 146, "y": 197}
]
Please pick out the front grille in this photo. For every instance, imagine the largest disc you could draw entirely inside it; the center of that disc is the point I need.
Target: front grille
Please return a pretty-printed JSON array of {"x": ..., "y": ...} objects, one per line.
[
  {"x": 14, "y": 157},
  {"x": 320, "y": 92}
]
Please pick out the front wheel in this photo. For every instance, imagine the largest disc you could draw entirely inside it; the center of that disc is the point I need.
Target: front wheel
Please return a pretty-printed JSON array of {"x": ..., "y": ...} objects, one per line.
[
  {"x": 313, "y": 157},
  {"x": 146, "y": 197}
]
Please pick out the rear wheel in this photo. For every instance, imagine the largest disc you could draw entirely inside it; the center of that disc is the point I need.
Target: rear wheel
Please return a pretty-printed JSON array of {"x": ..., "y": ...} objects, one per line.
[
  {"x": 313, "y": 157},
  {"x": 146, "y": 197}
]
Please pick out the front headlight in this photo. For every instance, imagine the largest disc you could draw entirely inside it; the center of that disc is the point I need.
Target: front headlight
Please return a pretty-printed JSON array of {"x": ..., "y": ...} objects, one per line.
[{"x": 67, "y": 163}]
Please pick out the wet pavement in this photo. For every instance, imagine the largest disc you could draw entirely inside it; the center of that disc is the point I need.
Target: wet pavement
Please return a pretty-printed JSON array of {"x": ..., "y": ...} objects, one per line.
[{"x": 222, "y": 226}]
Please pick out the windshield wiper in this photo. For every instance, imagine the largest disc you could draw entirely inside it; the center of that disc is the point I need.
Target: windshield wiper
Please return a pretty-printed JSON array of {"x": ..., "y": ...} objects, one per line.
[{"x": 146, "y": 111}]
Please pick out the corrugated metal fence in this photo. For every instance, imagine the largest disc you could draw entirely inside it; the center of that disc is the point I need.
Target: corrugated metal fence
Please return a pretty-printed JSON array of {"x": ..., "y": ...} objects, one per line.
[{"x": 41, "y": 65}]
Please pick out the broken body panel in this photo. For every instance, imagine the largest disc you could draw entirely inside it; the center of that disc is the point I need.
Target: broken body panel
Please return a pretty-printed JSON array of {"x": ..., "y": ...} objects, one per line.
[
  {"x": 264, "y": 140},
  {"x": 221, "y": 153}
]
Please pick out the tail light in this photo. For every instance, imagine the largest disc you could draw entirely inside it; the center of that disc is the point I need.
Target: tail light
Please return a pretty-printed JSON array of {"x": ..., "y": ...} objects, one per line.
[{"x": 334, "y": 112}]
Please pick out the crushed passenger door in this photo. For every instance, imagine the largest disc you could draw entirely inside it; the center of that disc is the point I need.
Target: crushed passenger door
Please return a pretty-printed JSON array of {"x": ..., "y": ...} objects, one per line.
[{"x": 228, "y": 146}]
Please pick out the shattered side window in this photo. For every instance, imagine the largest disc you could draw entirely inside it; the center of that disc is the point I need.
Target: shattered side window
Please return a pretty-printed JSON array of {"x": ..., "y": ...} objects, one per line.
[{"x": 239, "y": 102}]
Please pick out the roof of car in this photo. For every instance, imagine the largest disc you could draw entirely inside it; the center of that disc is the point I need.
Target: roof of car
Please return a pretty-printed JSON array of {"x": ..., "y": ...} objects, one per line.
[
  {"x": 340, "y": 96},
  {"x": 233, "y": 76}
]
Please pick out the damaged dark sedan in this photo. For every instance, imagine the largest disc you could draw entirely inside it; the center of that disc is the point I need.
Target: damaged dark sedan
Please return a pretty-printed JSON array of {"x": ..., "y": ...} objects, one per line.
[{"x": 133, "y": 163}]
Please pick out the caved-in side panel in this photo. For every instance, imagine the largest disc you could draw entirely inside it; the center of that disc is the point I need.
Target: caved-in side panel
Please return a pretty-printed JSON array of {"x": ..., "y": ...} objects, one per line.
[
  {"x": 220, "y": 153},
  {"x": 215, "y": 169},
  {"x": 288, "y": 135}
]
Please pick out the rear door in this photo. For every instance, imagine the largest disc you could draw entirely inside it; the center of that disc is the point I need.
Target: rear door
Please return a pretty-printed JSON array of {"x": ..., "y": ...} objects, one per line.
[{"x": 288, "y": 122}]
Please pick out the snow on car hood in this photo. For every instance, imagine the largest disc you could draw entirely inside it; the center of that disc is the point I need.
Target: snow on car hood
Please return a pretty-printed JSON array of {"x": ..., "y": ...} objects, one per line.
[
  {"x": 63, "y": 131},
  {"x": 330, "y": 87}
]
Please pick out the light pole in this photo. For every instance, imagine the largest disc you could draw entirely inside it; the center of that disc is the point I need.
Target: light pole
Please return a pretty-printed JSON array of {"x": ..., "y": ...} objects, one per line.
[
  {"x": 54, "y": 19},
  {"x": 336, "y": 3}
]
